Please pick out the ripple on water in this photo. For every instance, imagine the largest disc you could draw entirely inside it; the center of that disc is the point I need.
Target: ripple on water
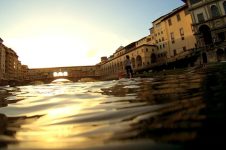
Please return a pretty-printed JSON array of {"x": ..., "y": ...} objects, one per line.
[{"x": 170, "y": 111}]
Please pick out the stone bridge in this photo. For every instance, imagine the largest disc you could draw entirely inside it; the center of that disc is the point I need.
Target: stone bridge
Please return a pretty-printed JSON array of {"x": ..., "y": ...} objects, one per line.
[
  {"x": 48, "y": 80},
  {"x": 74, "y": 74}
]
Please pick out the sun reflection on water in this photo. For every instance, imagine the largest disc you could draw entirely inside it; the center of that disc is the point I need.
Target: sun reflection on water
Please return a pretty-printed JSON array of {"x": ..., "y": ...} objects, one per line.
[{"x": 168, "y": 112}]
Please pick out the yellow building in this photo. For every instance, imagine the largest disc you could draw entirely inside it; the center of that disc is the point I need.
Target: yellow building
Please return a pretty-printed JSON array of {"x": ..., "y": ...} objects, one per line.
[
  {"x": 159, "y": 38},
  {"x": 180, "y": 32},
  {"x": 209, "y": 22},
  {"x": 173, "y": 35},
  {"x": 140, "y": 55}
]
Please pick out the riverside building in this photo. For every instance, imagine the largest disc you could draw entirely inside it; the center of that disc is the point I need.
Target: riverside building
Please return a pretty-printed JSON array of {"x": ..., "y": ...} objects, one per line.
[
  {"x": 139, "y": 53},
  {"x": 11, "y": 68},
  {"x": 171, "y": 38},
  {"x": 173, "y": 35},
  {"x": 2, "y": 60},
  {"x": 209, "y": 24}
]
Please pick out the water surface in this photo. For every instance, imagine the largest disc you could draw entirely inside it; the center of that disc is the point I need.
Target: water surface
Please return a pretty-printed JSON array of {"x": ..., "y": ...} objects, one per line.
[{"x": 181, "y": 111}]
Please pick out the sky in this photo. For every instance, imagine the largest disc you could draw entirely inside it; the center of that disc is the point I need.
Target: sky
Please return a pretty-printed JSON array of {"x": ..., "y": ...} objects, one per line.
[{"x": 57, "y": 33}]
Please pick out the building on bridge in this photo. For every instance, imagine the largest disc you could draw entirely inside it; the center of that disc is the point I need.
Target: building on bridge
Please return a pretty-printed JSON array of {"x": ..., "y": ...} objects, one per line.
[
  {"x": 209, "y": 23},
  {"x": 73, "y": 73}
]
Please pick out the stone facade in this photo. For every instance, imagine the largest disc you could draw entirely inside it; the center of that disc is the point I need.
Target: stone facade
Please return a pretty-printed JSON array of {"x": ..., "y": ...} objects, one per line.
[{"x": 209, "y": 23}]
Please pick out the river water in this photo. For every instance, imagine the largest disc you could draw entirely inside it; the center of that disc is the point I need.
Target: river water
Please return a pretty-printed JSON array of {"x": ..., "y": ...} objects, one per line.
[{"x": 181, "y": 111}]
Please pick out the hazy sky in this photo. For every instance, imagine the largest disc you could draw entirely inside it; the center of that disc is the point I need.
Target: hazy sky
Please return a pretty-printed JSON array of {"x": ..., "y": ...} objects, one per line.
[{"x": 48, "y": 33}]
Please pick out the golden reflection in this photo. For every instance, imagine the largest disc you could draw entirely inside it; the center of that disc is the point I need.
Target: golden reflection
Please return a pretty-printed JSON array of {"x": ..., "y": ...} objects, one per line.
[
  {"x": 171, "y": 109},
  {"x": 52, "y": 131},
  {"x": 61, "y": 81}
]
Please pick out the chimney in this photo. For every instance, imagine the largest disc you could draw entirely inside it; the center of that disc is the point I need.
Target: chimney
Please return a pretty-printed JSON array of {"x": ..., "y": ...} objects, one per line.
[{"x": 104, "y": 59}]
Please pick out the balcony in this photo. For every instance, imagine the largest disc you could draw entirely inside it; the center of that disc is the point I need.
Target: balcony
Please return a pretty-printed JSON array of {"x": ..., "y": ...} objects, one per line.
[
  {"x": 215, "y": 23},
  {"x": 200, "y": 4}
]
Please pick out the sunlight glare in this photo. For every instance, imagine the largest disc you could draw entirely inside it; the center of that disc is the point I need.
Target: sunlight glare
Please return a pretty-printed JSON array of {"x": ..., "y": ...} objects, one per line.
[
  {"x": 55, "y": 74},
  {"x": 65, "y": 73},
  {"x": 60, "y": 74}
]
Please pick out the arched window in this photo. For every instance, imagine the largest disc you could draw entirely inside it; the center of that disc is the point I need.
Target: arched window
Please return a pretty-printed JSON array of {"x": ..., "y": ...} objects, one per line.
[
  {"x": 215, "y": 11},
  {"x": 206, "y": 33},
  {"x": 224, "y": 4},
  {"x": 153, "y": 58},
  {"x": 139, "y": 61}
]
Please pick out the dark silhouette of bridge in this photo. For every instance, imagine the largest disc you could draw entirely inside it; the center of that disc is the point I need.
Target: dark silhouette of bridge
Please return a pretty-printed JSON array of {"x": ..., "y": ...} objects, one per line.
[{"x": 74, "y": 74}]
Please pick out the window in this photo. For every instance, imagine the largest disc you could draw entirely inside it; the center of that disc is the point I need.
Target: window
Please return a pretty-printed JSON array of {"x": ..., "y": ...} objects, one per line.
[
  {"x": 224, "y": 4},
  {"x": 221, "y": 36},
  {"x": 170, "y": 22},
  {"x": 178, "y": 17},
  {"x": 175, "y": 52},
  {"x": 182, "y": 33},
  {"x": 195, "y": 1},
  {"x": 215, "y": 11},
  {"x": 162, "y": 38},
  {"x": 184, "y": 49},
  {"x": 163, "y": 45},
  {"x": 172, "y": 37},
  {"x": 200, "y": 17}
]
